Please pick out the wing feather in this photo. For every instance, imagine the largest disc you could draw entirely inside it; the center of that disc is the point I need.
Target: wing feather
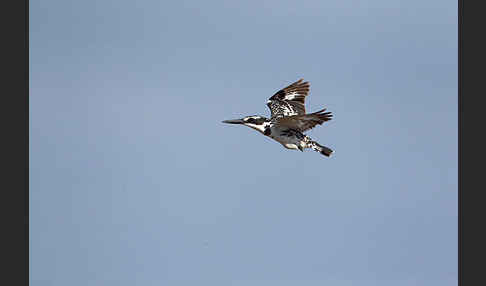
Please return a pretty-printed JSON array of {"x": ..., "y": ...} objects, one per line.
[
  {"x": 305, "y": 122},
  {"x": 289, "y": 100}
]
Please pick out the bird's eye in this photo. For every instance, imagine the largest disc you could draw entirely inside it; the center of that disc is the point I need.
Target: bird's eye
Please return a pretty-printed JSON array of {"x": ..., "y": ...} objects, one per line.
[{"x": 250, "y": 120}]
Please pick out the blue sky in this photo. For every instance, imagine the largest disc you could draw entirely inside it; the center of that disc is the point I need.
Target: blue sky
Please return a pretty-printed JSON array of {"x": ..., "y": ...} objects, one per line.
[{"x": 134, "y": 180}]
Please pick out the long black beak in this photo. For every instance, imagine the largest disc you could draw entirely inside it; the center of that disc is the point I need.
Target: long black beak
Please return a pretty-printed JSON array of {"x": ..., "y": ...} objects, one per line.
[{"x": 234, "y": 121}]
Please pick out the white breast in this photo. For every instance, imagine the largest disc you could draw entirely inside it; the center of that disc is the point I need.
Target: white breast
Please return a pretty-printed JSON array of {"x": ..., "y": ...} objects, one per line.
[{"x": 288, "y": 142}]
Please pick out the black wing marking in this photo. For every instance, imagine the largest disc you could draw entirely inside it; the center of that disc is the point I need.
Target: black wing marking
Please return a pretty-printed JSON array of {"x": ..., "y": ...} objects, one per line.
[
  {"x": 289, "y": 100},
  {"x": 304, "y": 122}
]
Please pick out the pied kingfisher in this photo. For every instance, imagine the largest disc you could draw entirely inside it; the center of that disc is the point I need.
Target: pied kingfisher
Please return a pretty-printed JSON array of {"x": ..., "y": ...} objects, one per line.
[{"x": 288, "y": 119}]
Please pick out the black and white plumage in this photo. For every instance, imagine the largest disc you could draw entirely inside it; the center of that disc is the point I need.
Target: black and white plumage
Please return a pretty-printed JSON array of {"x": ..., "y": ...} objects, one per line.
[{"x": 288, "y": 119}]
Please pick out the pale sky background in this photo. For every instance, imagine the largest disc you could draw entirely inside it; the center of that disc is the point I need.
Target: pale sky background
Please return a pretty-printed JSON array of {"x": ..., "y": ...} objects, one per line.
[{"x": 134, "y": 180}]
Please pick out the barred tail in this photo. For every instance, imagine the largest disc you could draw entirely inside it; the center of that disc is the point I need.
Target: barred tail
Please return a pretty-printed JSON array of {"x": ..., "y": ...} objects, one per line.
[{"x": 321, "y": 149}]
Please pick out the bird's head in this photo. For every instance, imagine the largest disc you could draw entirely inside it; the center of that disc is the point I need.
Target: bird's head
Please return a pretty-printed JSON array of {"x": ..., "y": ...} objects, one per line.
[{"x": 256, "y": 122}]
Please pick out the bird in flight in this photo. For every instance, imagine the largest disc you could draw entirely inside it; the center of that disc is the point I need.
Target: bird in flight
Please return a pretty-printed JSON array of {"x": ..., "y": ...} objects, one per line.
[{"x": 288, "y": 119}]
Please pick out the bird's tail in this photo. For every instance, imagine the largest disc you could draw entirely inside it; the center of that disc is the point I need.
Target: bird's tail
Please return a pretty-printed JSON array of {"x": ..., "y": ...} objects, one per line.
[{"x": 319, "y": 148}]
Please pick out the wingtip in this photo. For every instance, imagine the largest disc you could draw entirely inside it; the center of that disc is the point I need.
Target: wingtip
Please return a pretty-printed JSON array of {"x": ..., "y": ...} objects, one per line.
[
  {"x": 321, "y": 111},
  {"x": 300, "y": 80}
]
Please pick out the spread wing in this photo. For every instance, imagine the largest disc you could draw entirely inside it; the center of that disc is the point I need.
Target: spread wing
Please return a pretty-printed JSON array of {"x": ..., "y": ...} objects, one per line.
[
  {"x": 289, "y": 100},
  {"x": 305, "y": 122}
]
